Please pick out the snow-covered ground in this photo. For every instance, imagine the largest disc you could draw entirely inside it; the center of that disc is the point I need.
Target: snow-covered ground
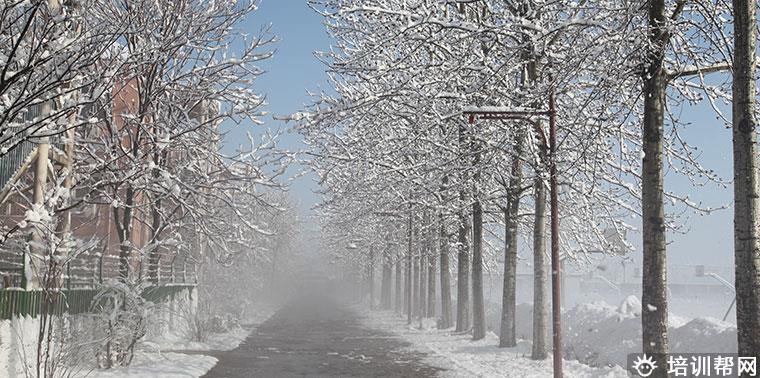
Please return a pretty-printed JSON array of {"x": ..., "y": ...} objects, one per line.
[
  {"x": 163, "y": 357},
  {"x": 216, "y": 341},
  {"x": 595, "y": 336},
  {"x": 462, "y": 357},
  {"x": 600, "y": 334},
  {"x": 163, "y": 365}
]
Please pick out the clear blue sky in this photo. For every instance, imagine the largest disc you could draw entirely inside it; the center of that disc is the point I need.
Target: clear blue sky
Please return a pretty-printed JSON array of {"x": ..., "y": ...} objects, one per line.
[
  {"x": 709, "y": 239},
  {"x": 289, "y": 74},
  {"x": 294, "y": 70}
]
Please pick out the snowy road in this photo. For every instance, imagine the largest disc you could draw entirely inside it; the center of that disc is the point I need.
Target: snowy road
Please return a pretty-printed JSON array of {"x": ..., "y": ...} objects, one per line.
[{"x": 320, "y": 337}]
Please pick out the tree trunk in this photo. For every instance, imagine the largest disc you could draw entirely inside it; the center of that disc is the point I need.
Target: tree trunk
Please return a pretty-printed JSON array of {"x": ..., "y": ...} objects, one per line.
[
  {"x": 540, "y": 302},
  {"x": 385, "y": 287},
  {"x": 445, "y": 275},
  {"x": 423, "y": 283},
  {"x": 478, "y": 310},
  {"x": 431, "y": 281},
  {"x": 463, "y": 258},
  {"x": 399, "y": 299},
  {"x": 154, "y": 256},
  {"x": 478, "y": 307},
  {"x": 123, "y": 223},
  {"x": 507, "y": 334},
  {"x": 654, "y": 318},
  {"x": 746, "y": 192},
  {"x": 416, "y": 285},
  {"x": 463, "y": 275},
  {"x": 63, "y": 228},
  {"x": 32, "y": 270}
]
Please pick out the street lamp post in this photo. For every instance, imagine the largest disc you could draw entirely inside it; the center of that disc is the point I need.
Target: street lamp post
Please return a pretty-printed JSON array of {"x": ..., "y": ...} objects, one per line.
[{"x": 551, "y": 146}]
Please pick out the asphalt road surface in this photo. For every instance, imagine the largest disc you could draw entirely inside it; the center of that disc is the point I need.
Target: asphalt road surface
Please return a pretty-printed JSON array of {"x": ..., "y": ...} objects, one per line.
[{"x": 317, "y": 336}]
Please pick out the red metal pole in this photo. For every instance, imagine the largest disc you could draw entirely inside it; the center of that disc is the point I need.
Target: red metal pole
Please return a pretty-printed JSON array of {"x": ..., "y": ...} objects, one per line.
[{"x": 556, "y": 290}]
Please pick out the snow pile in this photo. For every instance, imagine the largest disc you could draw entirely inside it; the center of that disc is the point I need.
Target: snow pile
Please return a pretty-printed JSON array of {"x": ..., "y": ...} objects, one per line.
[
  {"x": 595, "y": 334},
  {"x": 462, "y": 357},
  {"x": 630, "y": 306},
  {"x": 159, "y": 357},
  {"x": 164, "y": 365},
  {"x": 599, "y": 334},
  {"x": 704, "y": 335}
]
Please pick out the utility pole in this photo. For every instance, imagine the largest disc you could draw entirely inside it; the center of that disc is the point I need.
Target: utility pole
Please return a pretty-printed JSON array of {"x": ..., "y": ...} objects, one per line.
[
  {"x": 408, "y": 283},
  {"x": 551, "y": 146},
  {"x": 556, "y": 287}
]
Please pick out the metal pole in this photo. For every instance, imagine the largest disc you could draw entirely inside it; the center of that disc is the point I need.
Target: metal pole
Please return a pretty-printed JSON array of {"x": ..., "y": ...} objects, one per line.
[
  {"x": 729, "y": 308},
  {"x": 556, "y": 287},
  {"x": 408, "y": 283},
  {"x": 556, "y": 268}
]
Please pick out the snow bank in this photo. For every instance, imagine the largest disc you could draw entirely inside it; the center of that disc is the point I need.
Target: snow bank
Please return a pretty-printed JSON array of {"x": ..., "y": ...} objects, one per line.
[
  {"x": 595, "y": 334},
  {"x": 599, "y": 334},
  {"x": 462, "y": 357},
  {"x": 704, "y": 335},
  {"x": 164, "y": 365},
  {"x": 630, "y": 306},
  {"x": 18, "y": 346}
]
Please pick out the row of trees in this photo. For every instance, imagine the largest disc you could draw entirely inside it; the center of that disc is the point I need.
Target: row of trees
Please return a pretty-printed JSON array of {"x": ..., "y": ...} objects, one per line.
[
  {"x": 405, "y": 175},
  {"x": 125, "y": 103},
  {"x": 135, "y": 96}
]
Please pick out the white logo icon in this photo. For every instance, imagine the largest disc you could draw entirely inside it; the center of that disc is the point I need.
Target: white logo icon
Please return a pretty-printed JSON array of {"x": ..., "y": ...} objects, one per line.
[{"x": 644, "y": 365}]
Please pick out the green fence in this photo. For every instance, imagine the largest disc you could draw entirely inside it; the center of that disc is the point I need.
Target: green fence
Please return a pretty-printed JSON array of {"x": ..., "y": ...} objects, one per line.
[{"x": 17, "y": 302}]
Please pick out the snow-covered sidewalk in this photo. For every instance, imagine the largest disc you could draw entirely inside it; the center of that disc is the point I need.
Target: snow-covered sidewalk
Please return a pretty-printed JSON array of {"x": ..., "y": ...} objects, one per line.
[{"x": 463, "y": 357}]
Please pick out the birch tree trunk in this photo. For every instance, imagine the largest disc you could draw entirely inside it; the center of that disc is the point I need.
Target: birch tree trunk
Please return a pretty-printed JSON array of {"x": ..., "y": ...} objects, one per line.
[
  {"x": 746, "y": 193},
  {"x": 445, "y": 274},
  {"x": 540, "y": 302},
  {"x": 654, "y": 314},
  {"x": 507, "y": 334}
]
